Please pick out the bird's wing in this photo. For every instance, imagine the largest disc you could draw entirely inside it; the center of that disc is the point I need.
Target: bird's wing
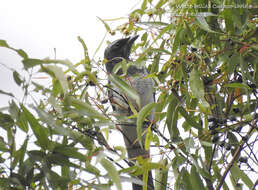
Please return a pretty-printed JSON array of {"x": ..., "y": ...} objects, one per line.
[{"x": 119, "y": 100}]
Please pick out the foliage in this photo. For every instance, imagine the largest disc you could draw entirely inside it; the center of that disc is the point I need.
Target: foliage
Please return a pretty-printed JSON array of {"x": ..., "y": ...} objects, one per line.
[{"x": 203, "y": 57}]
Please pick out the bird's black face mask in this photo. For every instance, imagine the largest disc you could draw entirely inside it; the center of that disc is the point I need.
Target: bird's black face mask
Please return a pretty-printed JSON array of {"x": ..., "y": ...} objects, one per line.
[{"x": 117, "y": 51}]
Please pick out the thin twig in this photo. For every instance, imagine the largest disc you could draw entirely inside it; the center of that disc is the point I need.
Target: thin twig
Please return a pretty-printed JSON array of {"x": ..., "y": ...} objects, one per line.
[{"x": 232, "y": 161}]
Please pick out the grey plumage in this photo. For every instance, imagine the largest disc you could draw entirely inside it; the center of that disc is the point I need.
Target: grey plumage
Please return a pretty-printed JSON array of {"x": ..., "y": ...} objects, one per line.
[{"x": 116, "y": 52}]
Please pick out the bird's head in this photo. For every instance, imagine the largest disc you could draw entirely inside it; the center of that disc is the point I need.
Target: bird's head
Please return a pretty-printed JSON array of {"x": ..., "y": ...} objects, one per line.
[{"x": 118, "y": 50}]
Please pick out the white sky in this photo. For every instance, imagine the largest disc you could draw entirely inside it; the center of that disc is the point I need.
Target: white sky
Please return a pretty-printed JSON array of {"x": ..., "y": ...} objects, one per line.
[{"x": 39, "y": 26}]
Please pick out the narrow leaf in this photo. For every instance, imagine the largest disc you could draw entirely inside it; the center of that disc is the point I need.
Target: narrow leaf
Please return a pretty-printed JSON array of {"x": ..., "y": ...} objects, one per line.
[
  {"x": 141, "y": 117},
  {"x": 195, "y": 179},
  {"x": 237, "y": 172},
  {"x": 171, "y": 119},
  {"x": 39, "y": 131},
  {"x": 188, "y": 118},
  {"x": 196, "y": 84},
  {"x": 3, "y": 43},
  {"x": 128, "y": 90},
  {"x": 16, "y": 77},
  {"x": 237, "y": 85},
  {"x": 161, "y": 177},
  {"x": 29, "y": 63},
  {"x": 113, "y": 173},
  {"x": 6, "y": 93},
  {"x": 59, "y": 74},
  {"x": 201, "y": 22},
  {"x": 85, "y": 108},
  {"x": 106, "y": 25}
]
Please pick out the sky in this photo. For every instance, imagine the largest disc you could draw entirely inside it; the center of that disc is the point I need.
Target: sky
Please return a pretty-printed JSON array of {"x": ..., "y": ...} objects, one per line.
[{"x": 40, "y": 26}]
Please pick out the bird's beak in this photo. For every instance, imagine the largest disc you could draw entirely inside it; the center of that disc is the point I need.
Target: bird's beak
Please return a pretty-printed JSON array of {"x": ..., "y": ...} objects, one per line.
[
  {"x": 129, "y": 44},
  {"x": 132, "y": 39}
]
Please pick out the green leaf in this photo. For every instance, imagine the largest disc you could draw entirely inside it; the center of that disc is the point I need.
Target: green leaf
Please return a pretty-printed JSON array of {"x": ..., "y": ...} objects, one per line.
[
  {"x": 189, "y": 143},
  {"x": 144, "y": 5},
  {"x": 238, "y": 173},
  {"x": 85, "y": 109},
  {"x": 86, "y": 54},
  {"x": 195, "y": 179},
  {"x": 128, "y": 90},
  {"x": 188, "y": 118},
  {"x": 196, "y": 84},
  {"x": 64, "y": 131},
  {"x": 202, "y": 23},
  {"x": 186, "y": 179},
  {"x": 122, "y": 150},
  {"x": 3, "y": 145},
  {"x": 60, "y": 75},
  {"x": 22, "y": 53},
  {"x": 237, "y": 85},
  {"x": 112, "y": 172},
  {"x": 154, "y": 24},
  {"x": 233, "y": 62},
  {"x": 22, "y": 122},
  {"x": 106, "y": 25},
  {"x": 171, "y": 119},
  {"x": 161, "y": 177},
  {"x": 3, "y": 43},
  {"x": 197, "y": 87},
  {"x": 6, "y": 93},
  {"x": 19, "y": 154},
  {"x": 19, "y": 116},
  {"x": 160, "y": 4},
  {"x": 40, "y": 132},
  {"x": 6, "y": 120},
  {"x": 29, "y": 63},
  {"x": 71, "y": 152},
  {"x": 16, "y": 77},
  {"x": 144, "y": 112},
  {"x": 176, "y": 42}
]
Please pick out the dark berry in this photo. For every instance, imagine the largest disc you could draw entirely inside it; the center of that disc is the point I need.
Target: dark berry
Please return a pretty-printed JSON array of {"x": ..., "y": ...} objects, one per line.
[
  {"x": 230, "y": 42},
  {"x": 218, "y": 71},
  {"x": 228, "y": 146},
  {"x": 243, "y": 159},
  {"x": 215, "y": 139},
  {"x": 238, "y": 129},
  {"x": 252, "y": 86},
  {"x": 222, "y": 121},
  {"x": 207, "y": 80},
  {"x": 255, "y": 116},
  {"x": 211, "y": 119},
  {"x": 239, "y": 79},
  {"x": 213, "y": 125},
  {"x": 239, "y": 185},
  {"x": 232, "y": 118},
  {"x": 245, "y": 138},
  {"x": 207, "y": 60},
  {"x": 222, "y": 143},
  {"x": 193, "y": 49},
  {"x": 236, "y": 110},
  {"x": 214, "y": 132},
  {"x": 91, "y": 83},
  {"x": 104, "y": 101},
  {"x": 69, "y": 78}
]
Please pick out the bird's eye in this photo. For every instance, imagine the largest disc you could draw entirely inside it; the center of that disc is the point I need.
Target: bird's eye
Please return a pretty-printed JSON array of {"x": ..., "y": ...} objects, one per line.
[{"x": 117, "y": 45}]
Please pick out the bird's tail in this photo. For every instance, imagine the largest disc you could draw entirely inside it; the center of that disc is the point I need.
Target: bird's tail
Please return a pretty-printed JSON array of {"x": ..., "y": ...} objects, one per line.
[{"x": 134, "y": 150}]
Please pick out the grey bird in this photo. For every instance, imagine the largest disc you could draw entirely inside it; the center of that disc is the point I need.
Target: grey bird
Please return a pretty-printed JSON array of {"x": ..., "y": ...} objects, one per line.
[{"x": 116, "y": 52}]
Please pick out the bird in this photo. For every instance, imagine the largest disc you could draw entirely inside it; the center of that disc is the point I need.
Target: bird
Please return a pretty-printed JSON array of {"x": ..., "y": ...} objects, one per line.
[{"x": 116, "y": 52}]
